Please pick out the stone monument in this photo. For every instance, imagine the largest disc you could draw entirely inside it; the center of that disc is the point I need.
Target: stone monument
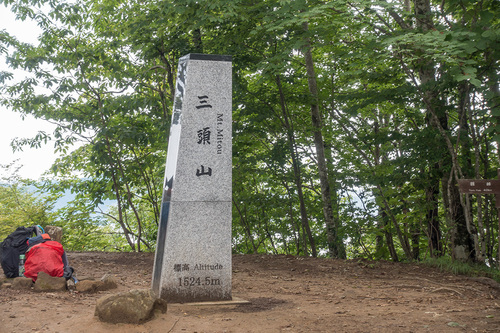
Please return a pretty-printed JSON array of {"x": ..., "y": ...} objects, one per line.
[{"x": 193, "y": 254}]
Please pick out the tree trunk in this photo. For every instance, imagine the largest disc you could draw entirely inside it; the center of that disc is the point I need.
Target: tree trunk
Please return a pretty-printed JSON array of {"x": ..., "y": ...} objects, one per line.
[
  {"x": 432, "y": 218},
  {"x": 296, "y": 171},
  {"x": 116, "y": 187},
  {"x": 462, "y": 244},
  {"x": 438, "y": 118},
  {"x": 336, "y": 247},
  {"x": 388, "y": 235},
  {"x": 415, "y": 240}
]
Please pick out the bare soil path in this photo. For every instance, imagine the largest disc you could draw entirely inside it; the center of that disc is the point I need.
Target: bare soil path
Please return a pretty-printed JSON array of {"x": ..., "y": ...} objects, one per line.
[{"x": 286, "y": 293}]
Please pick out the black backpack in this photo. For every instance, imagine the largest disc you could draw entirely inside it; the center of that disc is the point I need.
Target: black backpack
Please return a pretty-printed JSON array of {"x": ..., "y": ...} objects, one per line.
[{"x": 10, "y": 249}]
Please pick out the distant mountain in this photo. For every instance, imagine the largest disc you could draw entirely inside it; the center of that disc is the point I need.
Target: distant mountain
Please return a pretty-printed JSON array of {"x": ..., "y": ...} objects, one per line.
[{"x": 67, "y": 198}]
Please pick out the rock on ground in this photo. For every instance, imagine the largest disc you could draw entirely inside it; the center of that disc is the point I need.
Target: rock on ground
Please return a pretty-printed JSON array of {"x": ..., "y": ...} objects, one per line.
[
  {"x": 22, "y": 283},
  {"x": 107, "y": 282},
  {"x": 132, "y": 307},
  {"x": 45, "y": 282},
  {"x": 88, "y": 286}
]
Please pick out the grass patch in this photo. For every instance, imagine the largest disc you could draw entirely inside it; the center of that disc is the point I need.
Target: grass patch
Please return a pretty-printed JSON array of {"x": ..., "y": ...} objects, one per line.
[{"x": 446, "y": 264}]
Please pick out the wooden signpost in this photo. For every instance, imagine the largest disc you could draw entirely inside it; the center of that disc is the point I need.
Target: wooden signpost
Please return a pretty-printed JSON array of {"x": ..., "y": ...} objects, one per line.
[
  {"x": 480, "y": 186},
  {"x": 484, "y": 186}
]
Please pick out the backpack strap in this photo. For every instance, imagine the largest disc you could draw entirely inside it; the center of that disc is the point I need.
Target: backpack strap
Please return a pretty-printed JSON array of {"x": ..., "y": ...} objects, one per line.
[
  {"x": 38, "y": 239},
  {"x": 39, "y": 230}
]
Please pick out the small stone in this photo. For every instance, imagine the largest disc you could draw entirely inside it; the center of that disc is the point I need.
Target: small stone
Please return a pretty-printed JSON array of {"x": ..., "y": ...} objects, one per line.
[
  {"x": 109, "y": 282},
  {"x": 22, "y": 283},
  {"x": 160, "y": 305},
  {"x": 132, "y": 307},
  {"x": 70, "y": 284},
  {"x": 45, "y": 282},
  {"x": 88, "y": 286}
]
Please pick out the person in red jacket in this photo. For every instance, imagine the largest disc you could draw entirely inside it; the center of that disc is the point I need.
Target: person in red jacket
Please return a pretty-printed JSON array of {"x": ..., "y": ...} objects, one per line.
[{"x": 48, "y": 256}]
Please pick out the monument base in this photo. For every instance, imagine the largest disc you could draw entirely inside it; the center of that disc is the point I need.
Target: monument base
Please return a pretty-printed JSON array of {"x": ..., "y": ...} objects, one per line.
[{"x": 234, "y": 301}]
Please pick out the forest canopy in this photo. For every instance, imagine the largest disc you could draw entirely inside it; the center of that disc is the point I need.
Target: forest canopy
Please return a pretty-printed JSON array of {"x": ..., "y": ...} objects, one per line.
[{"x": 352, "y": 120}]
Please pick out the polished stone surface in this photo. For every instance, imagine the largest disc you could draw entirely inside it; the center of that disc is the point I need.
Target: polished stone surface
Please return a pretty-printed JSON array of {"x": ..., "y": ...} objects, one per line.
[{"x": 193, "y": 258}]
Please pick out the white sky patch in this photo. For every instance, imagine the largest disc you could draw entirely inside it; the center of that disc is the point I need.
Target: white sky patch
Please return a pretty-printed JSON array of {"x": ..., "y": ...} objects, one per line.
[{"x": 34, "y": 161}]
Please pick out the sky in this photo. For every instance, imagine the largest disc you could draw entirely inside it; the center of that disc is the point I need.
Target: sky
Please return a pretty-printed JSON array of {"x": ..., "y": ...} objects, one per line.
[{"x": 34, "y": 161}]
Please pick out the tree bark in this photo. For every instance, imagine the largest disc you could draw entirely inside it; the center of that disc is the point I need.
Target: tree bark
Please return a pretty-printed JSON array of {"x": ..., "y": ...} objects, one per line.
[
  {"x": 336, "y": 247},
  {"x": 462, "y": 246},
  {"x": 296, "y": 171},
  {"x": 388, "y": 235},
  {"x": 432, "y": 218}
]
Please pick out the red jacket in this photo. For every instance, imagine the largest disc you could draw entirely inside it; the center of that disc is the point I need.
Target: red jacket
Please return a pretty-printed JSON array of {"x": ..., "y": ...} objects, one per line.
[{"x": 46, "y": 257}]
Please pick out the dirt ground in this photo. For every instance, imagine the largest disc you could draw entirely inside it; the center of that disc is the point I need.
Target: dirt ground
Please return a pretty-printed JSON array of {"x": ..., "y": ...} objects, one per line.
[{"x": 286, "y": 293}]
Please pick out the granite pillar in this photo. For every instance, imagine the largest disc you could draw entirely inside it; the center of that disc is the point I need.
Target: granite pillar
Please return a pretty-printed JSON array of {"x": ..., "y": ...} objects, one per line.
[{"x": 193, "y": 255}]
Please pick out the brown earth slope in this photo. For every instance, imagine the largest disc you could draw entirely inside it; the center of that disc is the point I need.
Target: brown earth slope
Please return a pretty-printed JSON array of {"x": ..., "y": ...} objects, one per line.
[{"x": 286, "y": 293}]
